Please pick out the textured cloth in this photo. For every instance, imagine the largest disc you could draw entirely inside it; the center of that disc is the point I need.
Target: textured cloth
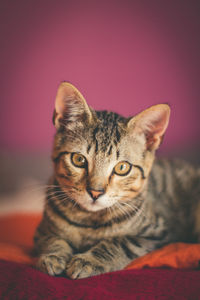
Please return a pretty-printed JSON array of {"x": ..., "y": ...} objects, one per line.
[
  {"x": 16, "y": 243},
  {"x": 18, "y": 281},
  {"x": 177, "y": 255},
  {"x": 21, "y": 281},
  {"x": 16, "y": 237}
]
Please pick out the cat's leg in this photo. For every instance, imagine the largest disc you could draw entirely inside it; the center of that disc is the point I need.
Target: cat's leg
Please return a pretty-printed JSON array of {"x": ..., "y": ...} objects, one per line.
[
  {"x": 52, "y": 250},
  {"x": 108, "y": 255},
  {"x": 54, "y": 256}
]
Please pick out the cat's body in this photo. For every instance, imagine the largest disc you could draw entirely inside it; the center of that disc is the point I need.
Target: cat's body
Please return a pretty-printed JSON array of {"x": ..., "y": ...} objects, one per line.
[{"x": 106, "y": 205}]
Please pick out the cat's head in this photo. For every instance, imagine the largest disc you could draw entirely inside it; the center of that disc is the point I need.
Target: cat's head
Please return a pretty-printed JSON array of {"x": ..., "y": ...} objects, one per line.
[{"x": 101, "y": 158}]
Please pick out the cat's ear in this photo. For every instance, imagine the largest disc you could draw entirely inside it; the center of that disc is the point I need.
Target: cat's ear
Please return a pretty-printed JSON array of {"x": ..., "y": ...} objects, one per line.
[
  {"x": 151, "y": 122},
  {"x": 70, "y": 106}
]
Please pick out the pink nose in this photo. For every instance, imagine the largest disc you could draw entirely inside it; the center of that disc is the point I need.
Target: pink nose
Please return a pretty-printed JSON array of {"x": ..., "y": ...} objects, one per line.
[{"x": 95, "y": 194}]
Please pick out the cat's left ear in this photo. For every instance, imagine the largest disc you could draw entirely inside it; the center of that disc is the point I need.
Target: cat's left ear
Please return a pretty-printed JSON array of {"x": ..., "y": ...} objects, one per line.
[
  {"x": 70, "y": 106},
  {"x": 153, "y": 123}
]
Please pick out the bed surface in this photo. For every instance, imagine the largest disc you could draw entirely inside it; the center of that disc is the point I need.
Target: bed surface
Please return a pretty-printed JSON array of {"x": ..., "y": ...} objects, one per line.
[{"x": 167, "y": 273}]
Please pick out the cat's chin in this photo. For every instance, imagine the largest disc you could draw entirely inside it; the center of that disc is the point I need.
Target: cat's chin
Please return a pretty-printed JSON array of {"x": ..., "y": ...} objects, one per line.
[
  {"x": 102, "y": 203},
  {"x": 92, "y": 206}
]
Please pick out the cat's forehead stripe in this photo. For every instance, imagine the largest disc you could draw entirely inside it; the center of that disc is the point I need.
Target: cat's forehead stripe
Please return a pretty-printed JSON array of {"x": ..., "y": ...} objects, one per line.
[
  {"x": 107, "y": 131},
  {"x": 88, "y": 148},
  {"x": 110, "y": 150}
]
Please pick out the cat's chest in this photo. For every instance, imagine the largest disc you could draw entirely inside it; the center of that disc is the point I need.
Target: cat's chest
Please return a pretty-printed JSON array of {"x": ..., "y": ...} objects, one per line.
[{"x": 87, "y": 236}]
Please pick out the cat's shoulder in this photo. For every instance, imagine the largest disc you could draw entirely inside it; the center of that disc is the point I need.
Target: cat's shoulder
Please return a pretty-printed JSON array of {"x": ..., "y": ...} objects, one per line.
[
  {"x": 175, "y": 165},
  {"x": 173, "y": 162}
]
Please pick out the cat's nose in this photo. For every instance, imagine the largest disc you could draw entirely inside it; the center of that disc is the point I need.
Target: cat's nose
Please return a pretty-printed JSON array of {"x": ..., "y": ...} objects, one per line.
[{"x": 95, "y": 194}]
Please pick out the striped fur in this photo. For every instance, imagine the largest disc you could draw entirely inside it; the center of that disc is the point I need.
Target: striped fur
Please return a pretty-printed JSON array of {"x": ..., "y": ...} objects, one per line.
[{"x": 156, "y": 203}]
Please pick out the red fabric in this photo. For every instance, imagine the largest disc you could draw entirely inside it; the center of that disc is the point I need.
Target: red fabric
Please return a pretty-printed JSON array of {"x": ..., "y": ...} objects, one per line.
[
  {"x": 16, "y": 243},
  {"x": 16, "y": 237},
  {"x": 18, "y": 281},
  {"x": 177, "y": 255}
]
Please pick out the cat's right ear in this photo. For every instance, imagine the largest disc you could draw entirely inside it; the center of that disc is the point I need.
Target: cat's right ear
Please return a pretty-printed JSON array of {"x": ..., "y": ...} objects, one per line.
[
  {"x": 70, "y": 106},
  {"x": 152, "y": 123}
]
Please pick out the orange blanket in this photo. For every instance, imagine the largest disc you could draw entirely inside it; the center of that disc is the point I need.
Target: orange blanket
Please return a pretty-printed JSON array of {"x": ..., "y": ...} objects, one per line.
[{"x": 16, "y": 242}]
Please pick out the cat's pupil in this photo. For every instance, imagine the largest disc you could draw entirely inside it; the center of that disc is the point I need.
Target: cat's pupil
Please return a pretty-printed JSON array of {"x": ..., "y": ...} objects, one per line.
[{"x": 122, "y": 167}]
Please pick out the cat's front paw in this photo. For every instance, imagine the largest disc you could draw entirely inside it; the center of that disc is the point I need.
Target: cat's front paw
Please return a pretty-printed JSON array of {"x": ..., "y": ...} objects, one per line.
[
  {"x": 51, "y": 264},
  {"x": 82, "y": 266}
]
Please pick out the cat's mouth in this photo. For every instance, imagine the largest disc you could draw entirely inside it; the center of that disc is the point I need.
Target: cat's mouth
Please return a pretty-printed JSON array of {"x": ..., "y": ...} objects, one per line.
[{"x": 89, "y": 204}]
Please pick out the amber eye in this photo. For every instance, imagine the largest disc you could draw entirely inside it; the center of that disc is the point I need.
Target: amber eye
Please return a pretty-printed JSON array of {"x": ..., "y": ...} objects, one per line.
[
  {"x": 78, "y": 160},
  {"x": 122, "y": 168}
]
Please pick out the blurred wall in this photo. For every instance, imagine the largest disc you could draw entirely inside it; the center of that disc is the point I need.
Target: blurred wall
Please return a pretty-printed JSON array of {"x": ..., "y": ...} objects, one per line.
[{"x": 122, "y": 55}]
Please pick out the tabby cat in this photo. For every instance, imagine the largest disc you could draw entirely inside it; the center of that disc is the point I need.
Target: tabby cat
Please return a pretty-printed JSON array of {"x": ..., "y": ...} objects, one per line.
[{"x": 108, "y": 202}]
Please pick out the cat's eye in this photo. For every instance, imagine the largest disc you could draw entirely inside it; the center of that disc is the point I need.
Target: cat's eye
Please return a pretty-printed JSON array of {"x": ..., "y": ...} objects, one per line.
[
  {"x": 122, "y": 168},
  {"x": 78, "y": 160}
]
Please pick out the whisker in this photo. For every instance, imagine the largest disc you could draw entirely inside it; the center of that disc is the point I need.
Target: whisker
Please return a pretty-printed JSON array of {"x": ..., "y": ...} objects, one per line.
[
  {"x": 56, "y": 194},
  {"x": 139, "y": 212},
  {"x": 63, "y": 199},
  {"x": 122, "y": 210},
  {"x": 38, "y": 188},
  {"x": 110, "y": 212}
]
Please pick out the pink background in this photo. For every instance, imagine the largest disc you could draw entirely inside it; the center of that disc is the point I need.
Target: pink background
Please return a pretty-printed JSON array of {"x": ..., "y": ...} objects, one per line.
[{"x": 122, "y": 55}]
